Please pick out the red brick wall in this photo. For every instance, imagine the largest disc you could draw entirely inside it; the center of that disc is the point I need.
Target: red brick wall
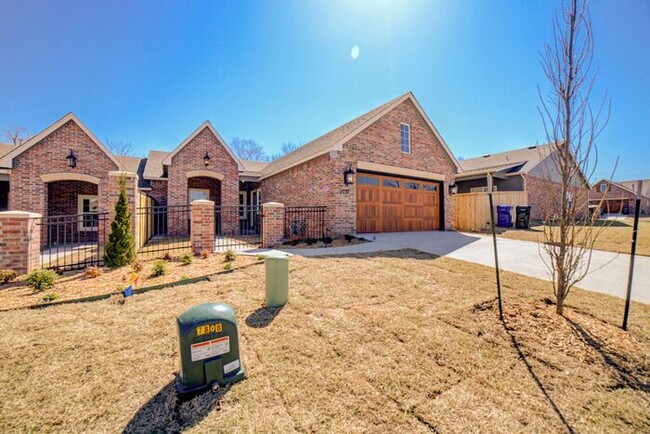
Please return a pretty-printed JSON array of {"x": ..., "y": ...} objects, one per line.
[
  {"x": 191, "y": 158},
  {"x": 320, "y": 181},
  {"x": 544, "y": 197},
  {"x": 20, "y": 240},
  {"x": 29, "y": 193},
  {"x": 211, "y": 184},
  {"x": 202, "y": 227},
  {"x": 158, "y": 192},
  {"x": 62, "y": 196}
]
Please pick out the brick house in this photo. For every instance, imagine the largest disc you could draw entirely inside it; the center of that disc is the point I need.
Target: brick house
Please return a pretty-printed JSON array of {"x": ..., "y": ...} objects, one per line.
[
  {"x": 618, "y": 197},
  {"x": 530, "y": 170}
]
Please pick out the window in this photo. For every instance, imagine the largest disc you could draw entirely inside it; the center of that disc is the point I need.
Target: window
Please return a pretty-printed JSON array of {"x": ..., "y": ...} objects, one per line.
[
  {"x": 602, "y": 187},
  {"x": 368, "y": 180},
  {"x": 433, "y": 188},
  {"x": 198, "y": 194},
  {"x": 242, "y": 205},
  {"x": 88, "y": 208},
  {"x": 412, "y": 185},
  {"x": 393, "y": 183},
  {"x": 405, "y": 136}
]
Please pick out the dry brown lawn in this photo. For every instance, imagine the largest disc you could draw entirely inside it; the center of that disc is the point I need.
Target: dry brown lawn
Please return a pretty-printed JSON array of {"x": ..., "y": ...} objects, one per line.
[
  {"x": 616, "y": 237},
  {"x": 73, "y": 284},
  {"x": 393, "y": 341}
]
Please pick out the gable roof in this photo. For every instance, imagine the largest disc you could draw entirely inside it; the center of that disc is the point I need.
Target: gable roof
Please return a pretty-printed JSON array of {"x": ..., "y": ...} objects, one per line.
[
  {"x": 5, "y": 148},
  {"x": 620, "y": 185},
  {"x": 7, "y": 159},
  {"x": 168, "y": 159},
  {"x": 334, "y": 140},
  {"x": 154, "y": 168},
  {"x": 634, "y": 185},
  {"x": 527, "y": 158},
  {"x": 252, "y": 168}
]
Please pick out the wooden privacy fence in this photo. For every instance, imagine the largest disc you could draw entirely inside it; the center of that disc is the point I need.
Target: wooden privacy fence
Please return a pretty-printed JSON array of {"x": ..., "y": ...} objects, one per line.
[
  {"x": 473, "y": 209},
  {"x": 145, "y": 222}
]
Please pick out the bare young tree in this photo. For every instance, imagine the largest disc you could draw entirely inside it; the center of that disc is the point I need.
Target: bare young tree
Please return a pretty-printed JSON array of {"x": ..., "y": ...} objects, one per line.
[
  {"x": 15, "y": 135},
  {"x": 248, "y": 149},
  {"x": 572, "y": 126},
  {"x": 119, "y": 148}
]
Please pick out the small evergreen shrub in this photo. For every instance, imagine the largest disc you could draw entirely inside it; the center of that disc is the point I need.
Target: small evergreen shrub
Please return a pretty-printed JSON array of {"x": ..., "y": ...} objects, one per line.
[
  {"x": 120, "y": 248},
  {"x": 50, "y": 297},
  {"x": 228, "y": 266},
  {"x": 159, "y": 268},
  {"x": 229, "y": 256},
  {"x": 7, "y": 276},
  {"x": 261, "y": 257},
  {"x": 92, "y": 272},
  {"x": 311, "y": 241},
  {"x": 186, "y": 258},
  {"x": 39, "y": 280}
]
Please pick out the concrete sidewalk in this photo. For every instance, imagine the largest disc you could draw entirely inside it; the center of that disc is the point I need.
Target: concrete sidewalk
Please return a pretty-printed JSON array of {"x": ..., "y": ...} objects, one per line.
[{"x": 607, "y": 272}]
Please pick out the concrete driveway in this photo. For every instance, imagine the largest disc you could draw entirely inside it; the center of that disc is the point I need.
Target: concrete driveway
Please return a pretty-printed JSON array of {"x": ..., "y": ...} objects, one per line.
[{"x": 607, "y": 273}]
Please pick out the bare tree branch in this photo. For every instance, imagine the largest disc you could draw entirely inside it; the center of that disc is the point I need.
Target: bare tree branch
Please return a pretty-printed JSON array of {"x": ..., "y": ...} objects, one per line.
[
  {"x": 119, "y": 148},
  {"x": 572, "y": 127},
  {"x": 15, "y": 135}
]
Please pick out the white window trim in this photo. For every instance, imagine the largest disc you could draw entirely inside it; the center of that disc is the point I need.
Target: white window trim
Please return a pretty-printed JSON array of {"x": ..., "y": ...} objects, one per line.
[
  {"x": 257, "y": 194},
  {"x": 80, "y": 210},
  {"x": 409, "y": 137},
  {"x": 202, "y": 190},
  {"x": 601, "y": 189}
]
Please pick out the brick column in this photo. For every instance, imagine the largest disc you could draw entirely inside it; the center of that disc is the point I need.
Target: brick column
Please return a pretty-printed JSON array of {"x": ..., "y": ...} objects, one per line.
[
  {"x": 20, "y": 241},
  {"x": 272, "y": 224},
  {"x": 131, "y": 195},
  {"x": 202, "y": 227}
]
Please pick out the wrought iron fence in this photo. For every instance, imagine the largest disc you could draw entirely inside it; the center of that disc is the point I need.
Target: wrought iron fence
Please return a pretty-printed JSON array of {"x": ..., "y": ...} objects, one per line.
[
  {"x": 70, "y": 242},
  {"x": 237, "y": 227},
  {"x": 166, "y": 230},
  {"x": 302, "y": 223}
]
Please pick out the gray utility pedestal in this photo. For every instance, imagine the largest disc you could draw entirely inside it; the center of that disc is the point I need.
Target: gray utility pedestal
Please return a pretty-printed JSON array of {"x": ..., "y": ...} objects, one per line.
[{"x": 277, "y": 279}]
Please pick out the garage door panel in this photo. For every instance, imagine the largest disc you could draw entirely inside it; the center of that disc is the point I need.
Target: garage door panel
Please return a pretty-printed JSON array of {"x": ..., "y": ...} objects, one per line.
[{"x": 390, "y": 204}]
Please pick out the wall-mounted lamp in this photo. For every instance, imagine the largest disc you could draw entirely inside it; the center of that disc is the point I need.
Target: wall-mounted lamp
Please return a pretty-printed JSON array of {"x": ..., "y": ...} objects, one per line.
[
  {"x": 206, "y": 159},
  {"x": 453, "y": 188},
  {"x": 72, "y": 159},
  {"x": 348, "y": 175}
]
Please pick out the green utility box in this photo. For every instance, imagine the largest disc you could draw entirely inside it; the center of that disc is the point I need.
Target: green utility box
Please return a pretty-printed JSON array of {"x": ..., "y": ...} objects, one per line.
[
  {"x": 209, "y": 348},
  {"x": 277, "y": 279}
]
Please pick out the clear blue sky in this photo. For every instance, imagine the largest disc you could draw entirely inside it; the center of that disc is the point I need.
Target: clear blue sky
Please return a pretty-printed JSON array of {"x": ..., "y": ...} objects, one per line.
[{"x": 151, "y": 72}]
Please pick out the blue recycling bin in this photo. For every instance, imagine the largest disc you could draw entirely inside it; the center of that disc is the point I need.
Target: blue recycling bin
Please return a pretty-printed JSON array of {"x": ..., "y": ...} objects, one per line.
[{"x": 504, "y": 219}]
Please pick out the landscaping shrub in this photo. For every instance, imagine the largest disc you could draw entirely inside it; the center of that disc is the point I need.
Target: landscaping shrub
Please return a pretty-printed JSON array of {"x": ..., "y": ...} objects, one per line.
[
  {"x": 186, "y": 258},
  {"x": 227, "y": 266},
  {"x": 39, "y": 280},
  {"x": 349, "y": 238},
  {"x": 167, "y": 256},
  {"x": 7, "y": 276},
  {"x": 205, "y": 253},
  {"x": 229, "y": 256},
  {"x": 50, "y": 297},
  {"x": 137, "y": 266},
  {"x": 92, "y": 272},
  {"x": 159, "y": 268},
  {"x": 120, "y": 248},
  {"x": 261, "y": 257},
  {"x": 311, "y": 241}
]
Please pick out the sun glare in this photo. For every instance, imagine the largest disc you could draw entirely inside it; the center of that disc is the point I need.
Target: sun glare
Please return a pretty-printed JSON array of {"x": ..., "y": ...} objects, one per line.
[{"x": 354, "y": 52}]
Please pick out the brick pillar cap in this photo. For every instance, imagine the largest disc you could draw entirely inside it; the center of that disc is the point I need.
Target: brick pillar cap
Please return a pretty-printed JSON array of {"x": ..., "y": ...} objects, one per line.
[
  {"x": 202, "y": 202},
  {"x": 273, "y": 205},
  {"x": 18, "y": 214}
]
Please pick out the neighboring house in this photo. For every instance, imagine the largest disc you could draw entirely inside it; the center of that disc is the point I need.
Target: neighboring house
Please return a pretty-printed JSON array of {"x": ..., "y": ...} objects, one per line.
[
  {"x": 399, "y": 167},
  {"x": 619, "y": 197},
  {"x": 530, "y": 170}
]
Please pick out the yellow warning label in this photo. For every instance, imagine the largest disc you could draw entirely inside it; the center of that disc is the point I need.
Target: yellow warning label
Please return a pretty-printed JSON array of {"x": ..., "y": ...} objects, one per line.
[{"x": 208, "y": 328}]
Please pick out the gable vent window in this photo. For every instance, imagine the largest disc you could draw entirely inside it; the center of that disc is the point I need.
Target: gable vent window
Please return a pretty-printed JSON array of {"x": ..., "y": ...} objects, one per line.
[
  {"x": 603, "y": 187},
  {"x": 405, "y": 136}
]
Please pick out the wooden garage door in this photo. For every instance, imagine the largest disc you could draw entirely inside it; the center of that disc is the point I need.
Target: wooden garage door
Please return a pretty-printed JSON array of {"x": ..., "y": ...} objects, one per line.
[{"x": 395, "y": 204}]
